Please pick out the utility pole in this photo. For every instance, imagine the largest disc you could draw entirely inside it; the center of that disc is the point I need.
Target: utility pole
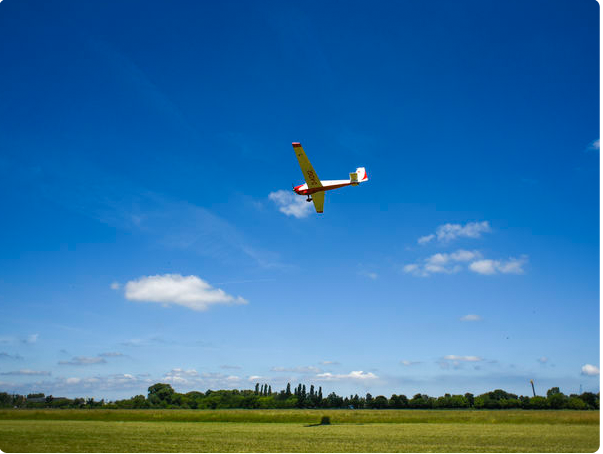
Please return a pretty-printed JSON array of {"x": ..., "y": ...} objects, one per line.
[{"x": 533, "y": 390}]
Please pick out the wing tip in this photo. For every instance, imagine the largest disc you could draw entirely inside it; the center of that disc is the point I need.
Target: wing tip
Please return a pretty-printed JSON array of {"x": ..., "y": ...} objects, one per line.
[{"x": 296, "y": 144}]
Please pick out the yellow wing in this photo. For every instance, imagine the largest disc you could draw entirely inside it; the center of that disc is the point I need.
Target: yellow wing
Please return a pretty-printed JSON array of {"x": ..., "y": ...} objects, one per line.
[
  {"x": 309, "y": 174},
  {"x": 319, "y": 201}
]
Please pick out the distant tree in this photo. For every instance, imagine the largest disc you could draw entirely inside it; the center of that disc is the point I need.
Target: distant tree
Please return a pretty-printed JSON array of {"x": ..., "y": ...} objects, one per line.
[
  {"x": 469, "y": 398},
  {"x": 6, "y": 400},
  {"x": 380, "y": 402},
  {"x": 311, "y": 391},
  {"x": 257, "y": 388},
  {"x": 270, "y": 390},
  {"x": 35, "y": 395},
  {"x": 552, "y": 391},
  {"x": 320, "y": 393},
  {"x": 575, "y": 403},
  {"x": 557, "y": 400},
  {"x": 538, "y": 403},
  {"x": 160, "y": 394},
  {"x": 590, "y": 399},
  {"x": 288, "y": 391},
  {"x": 368, "y": 401}
]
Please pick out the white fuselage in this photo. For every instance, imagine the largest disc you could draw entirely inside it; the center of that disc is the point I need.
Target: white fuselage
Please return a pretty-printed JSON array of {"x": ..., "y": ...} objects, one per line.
[{"x": 327, "y": 185}]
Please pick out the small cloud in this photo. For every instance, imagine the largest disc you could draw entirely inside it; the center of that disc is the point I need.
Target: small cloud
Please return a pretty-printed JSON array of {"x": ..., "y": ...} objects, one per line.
[
  {"x": 26, "y": 372},
  {"x": 595, "y": 145},
  {"x": 368, "y": 274},
  {"x": 188, "y": 291},
  {"x": 543, "y": 359},
  {"x": 456, "y": 361},
  {"x": 441, "y": 262},
  {"x": 180, "y": 376},
  {"x": 299, "y": 369},
  {"x": 449, "y": 232},
  {"x": 291, "y": 204},
  {"x": 255, "y": 377},
  {"x": 490, "y": 267},
  {"x": 226, "y": 366},
  {"x": 589, "y": 369},
  {"x": 111, "y": 354},
  {"x": 115, "y": 285},
  {"x": 410, "y": 363},
  {"x": 356, "y": 375},
  {"x": 329, "y": 363},
  {"x": 83, "y": 361},
  {"x": 471, "y": 318},
  {"x": 426, "y": 239},
  {"x": 463, "y": 358}
]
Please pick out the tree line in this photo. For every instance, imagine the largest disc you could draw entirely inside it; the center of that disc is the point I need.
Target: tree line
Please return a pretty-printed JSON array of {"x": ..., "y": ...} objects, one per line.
[{"x": 162, "y": 395}]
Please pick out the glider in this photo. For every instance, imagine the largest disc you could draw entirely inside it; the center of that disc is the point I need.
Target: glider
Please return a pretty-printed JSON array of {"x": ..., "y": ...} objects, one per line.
[{"x": 314, "y": 188}]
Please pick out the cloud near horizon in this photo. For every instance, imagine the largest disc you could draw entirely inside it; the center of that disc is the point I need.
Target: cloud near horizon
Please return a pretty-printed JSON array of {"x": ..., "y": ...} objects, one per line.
[
  {"x": 28, "y": 372},
  {"x": 83, "y": 361},
  {"x": 291, "y": 204},
  {"x": 590, "y": 370},
  {"x": 354, "y": 375},
  {"x": 300, "y": 369},
  {"x": 191, "y": 292}
]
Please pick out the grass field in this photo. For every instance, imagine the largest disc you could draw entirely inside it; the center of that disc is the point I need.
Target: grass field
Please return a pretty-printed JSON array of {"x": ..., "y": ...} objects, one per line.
[{"x": 292, "y": 431}]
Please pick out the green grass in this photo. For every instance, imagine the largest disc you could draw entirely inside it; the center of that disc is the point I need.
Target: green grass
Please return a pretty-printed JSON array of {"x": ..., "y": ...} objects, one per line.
[{"x": 290, "y": 431}]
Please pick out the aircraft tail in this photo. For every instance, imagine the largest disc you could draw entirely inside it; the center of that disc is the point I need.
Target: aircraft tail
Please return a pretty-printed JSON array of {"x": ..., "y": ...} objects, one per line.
[{"x": 362, "y": 175}]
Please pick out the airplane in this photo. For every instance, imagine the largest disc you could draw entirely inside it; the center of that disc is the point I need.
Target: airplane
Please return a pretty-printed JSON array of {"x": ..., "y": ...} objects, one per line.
[{"x": 314, "y": 188}]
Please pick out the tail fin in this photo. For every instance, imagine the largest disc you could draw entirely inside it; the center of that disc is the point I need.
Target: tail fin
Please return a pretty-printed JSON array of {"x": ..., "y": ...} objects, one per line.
[{"x": 362, "y": 175}]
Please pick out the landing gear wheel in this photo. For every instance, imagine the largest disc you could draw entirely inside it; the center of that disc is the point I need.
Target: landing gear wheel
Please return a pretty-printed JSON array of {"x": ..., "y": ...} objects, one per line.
[{"x": 309, "y": 199}]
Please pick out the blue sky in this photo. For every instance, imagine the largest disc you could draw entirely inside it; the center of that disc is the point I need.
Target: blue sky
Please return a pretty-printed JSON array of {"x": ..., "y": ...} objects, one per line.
[{"x": 144, "y": 237}]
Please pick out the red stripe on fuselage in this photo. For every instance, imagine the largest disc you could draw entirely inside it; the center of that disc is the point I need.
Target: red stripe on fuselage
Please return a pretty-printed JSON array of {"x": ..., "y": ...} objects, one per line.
[{"x": 321, "y": 189}]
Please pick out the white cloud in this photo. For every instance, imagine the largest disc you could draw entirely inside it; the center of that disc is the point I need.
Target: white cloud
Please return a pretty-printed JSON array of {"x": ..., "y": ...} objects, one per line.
[
  {"x": 227, "y": 366},
  {"x": 543, "y": 359},
  {"x": 369, "y": 274},
  {"x": 83, "y": 361},
  {"x": 26, "y": 372},
  {"x": 589, "y": 369},
  {"x": 426, "y": 239},
  {"x": 490, "y": 267},
  {"x": 449, "y": 232},
  {"x": 456, "y": 361},
  {"x": 356, "y": 375},
  {"x": 188, "y": 291},
  {"x": 594, "y": 145},
  {"x": 441, "y": 262},
  {"x": 329, "y": 363},
  {"x": 299, "y": 369},
  {"x": 180, "y": 376},
  {"x": 410, "y": 363},
  {"x": 291, "y": 204},
  {"x": 111, "y": 354},
  {"x": 115, "y": 285},
  {"x": 471, "y": 318},
  {"x": 463, "y": 358}
]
